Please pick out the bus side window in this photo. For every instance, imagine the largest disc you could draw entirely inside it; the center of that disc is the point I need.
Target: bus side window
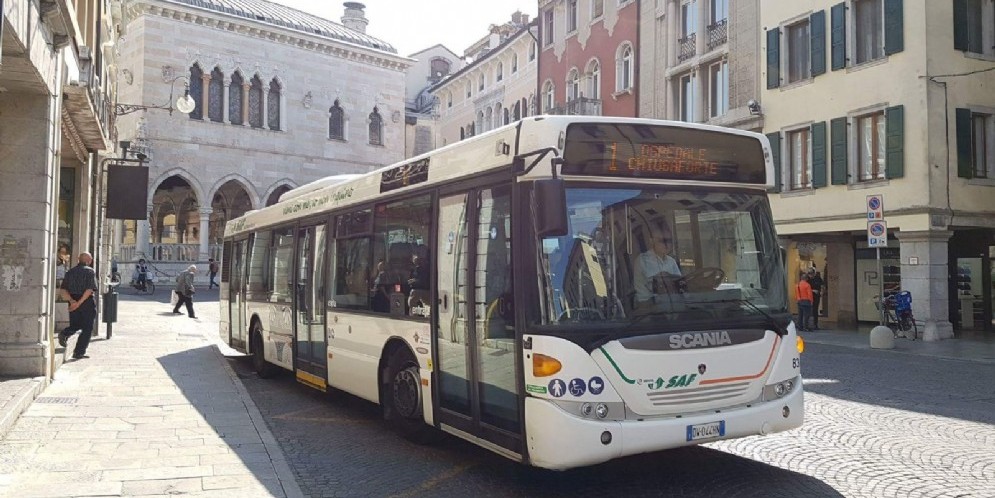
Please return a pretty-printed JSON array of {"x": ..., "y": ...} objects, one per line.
[
  {"x": 400, "y": 229},
  {"x": 281, "y": 259},
  {"x": 258, "y": 287}
]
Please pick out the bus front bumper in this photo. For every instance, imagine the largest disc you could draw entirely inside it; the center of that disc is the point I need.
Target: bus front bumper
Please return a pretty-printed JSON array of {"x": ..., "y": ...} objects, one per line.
[{"x": 559, "y": 440}]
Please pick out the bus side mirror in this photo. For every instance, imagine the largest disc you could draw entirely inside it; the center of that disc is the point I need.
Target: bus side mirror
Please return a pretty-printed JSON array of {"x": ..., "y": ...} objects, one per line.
[{"x": 550, "y": 197}]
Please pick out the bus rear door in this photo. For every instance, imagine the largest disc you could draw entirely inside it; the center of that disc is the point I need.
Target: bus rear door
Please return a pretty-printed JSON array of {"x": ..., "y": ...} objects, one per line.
[{"x": 310, "y": 360}]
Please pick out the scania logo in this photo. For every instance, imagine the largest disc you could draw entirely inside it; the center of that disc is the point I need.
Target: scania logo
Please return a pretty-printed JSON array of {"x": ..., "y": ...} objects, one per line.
[
  {"x": 701, "y": 369},
  {"x": 699, "y": 340}
]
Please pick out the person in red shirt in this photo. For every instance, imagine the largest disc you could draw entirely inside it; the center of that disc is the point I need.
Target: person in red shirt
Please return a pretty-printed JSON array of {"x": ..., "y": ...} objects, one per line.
[{"x": 804, "y": 297}]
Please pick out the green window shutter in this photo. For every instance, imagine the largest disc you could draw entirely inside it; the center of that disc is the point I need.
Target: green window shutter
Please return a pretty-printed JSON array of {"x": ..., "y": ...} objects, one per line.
[
  {"x": 965, "y": 168},
  {"x": 819, "y": 154},
  {"x": 894, "y": 142},
  {"x": 817, "y": 45},
  {"x": 838, "y": 150},
  {"x": 775, "y": 148},
  {"x": 894, "y": 25},
  {"x": 838, "y": 36},
  {"x": 961, "y": 38},
  {"x": 774, "y": 58}
]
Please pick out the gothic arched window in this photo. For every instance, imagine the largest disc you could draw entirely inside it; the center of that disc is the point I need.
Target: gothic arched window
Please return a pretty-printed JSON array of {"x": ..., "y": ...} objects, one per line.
[
  {"x": 336, "y": 122},
  {"x": 197, "y": 91},
  {"x": 273, "y": 105},
  {"x": 376, "y": 127},
  {"x": 216, "y": 96},
  {"x": 256, "y": 103},
  {"x": 235, "y": 98}
]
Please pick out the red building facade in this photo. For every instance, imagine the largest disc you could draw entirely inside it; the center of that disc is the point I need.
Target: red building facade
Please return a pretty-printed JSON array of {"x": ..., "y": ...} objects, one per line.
[{"x": 588, "y": 57}]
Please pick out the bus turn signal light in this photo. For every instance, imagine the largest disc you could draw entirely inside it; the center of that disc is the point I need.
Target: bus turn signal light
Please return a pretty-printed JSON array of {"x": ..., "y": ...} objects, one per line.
[
  {"x": 800, "y": 344},
  {"x": 544, "y": 366}
]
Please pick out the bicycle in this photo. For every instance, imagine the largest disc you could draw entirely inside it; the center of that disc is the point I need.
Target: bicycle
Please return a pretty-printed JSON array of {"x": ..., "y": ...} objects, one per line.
[{"x": 898, "y": 314}]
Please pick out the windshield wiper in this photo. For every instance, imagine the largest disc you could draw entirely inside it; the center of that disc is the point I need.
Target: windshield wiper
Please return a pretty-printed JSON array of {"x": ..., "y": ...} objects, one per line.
[{"x": 780, "y": 330}]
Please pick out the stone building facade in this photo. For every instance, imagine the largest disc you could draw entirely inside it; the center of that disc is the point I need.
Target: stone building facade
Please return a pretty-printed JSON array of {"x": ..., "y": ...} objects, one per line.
[
  {"x": 496, "y": 88},
  {"x": 431, "y": 66},
  {"x": 892, "y": 98},
  {"x": 56, "y": 113},
  {"x": 283, "y": 98},
  {"x": 700, "y": 62}
]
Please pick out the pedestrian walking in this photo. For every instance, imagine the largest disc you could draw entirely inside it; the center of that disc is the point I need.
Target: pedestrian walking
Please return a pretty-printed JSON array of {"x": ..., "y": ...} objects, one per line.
[
  {"x": 212, "y": 268},
  {"x": 79, "y": 287},
  {"x": 803, "y": 296},
  {"x": 815, "y": 280},
  {"x": 184, "y": 290}
]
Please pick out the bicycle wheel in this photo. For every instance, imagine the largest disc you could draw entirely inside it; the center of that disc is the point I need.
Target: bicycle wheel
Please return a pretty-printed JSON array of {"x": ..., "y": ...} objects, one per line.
[
  {"x": 149, "y": 288},
  {"x": 912, "y": 327}
]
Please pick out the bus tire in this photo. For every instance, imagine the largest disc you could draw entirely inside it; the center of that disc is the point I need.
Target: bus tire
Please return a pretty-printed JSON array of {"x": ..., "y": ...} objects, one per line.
[
  {"x": 402, "y": 398},
  {"x": 263, "y": 368}
]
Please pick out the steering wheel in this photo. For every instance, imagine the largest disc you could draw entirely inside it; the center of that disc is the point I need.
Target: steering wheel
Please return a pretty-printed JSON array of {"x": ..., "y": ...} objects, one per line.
[{"x": 702, "y": 279}]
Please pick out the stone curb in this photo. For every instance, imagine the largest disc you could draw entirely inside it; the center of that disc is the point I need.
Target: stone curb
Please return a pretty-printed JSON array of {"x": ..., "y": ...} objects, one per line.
[
  {"x": 11, "y": 411},
  {"x": 283, "y": 471}
]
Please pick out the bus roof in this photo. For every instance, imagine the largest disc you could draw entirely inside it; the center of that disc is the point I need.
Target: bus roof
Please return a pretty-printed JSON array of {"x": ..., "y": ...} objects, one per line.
[{"x": 485, "y": 152}]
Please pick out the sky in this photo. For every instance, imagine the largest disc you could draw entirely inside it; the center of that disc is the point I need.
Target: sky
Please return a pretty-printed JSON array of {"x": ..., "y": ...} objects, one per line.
[{"x": 413, "y": 25}]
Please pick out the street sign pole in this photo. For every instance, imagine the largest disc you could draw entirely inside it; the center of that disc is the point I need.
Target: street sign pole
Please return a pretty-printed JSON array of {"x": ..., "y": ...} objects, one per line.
[
  {"x": 877, "y": 237},
  {"x": 881, "y": 286}
]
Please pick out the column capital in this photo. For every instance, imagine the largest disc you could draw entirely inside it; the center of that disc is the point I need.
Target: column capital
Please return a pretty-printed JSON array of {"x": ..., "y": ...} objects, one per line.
[
  {"x": 206, "y": 211},
  {"x": 924, "y": 235}
]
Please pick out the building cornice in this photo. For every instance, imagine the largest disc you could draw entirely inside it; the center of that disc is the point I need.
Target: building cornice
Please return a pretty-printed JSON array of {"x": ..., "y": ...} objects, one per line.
[{"x": 274, "y": 34}]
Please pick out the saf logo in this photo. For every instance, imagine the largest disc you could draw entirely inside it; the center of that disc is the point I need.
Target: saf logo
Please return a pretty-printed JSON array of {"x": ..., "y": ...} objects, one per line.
[{"x": 671, "y": 383}]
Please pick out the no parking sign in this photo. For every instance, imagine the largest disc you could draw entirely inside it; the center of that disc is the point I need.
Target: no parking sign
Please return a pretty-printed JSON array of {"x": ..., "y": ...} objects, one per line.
[{"x": 877, "y": 234}]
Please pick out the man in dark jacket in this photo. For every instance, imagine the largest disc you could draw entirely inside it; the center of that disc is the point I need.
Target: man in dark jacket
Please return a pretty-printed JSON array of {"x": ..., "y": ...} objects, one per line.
[
  {"x": 815, "y": 280},
  {"x": 79, "y": 287}
]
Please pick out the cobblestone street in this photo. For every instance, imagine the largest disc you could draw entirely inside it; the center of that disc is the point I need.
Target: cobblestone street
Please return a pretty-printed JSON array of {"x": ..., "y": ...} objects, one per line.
[{"x": 878, "y": 424}]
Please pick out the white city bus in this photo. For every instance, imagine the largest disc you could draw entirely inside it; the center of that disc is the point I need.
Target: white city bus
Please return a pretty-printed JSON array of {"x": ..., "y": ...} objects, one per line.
[{"x": 563, "y": 290}]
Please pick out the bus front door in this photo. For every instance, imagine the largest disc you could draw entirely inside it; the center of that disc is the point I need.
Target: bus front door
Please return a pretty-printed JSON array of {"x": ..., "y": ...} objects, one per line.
[
  {"x": 236, "y": 296},
  {"x": 310, "y": 360},
  {"x": 476, "y": 355}
]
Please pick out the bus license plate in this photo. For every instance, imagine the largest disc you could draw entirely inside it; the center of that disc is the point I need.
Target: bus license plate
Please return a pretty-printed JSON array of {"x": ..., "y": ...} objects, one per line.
[{"x": 707, "y": 431}]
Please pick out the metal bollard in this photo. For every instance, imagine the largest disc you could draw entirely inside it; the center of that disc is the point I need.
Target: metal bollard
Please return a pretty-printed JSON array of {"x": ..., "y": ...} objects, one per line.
[{"x": 110, "y": 309}]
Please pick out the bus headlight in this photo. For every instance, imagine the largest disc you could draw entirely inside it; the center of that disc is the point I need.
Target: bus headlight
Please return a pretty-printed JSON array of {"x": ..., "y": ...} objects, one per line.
[
  {"x": 609, "y": 410},
  {"x": 586, "y": 409},
  {"x": 601, "y": 411},
  {"x": 779, "y": 389}
]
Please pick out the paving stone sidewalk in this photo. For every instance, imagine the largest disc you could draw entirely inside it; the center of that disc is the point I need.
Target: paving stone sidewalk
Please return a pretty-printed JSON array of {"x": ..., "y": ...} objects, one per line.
[{"x": 154, "y": 411}]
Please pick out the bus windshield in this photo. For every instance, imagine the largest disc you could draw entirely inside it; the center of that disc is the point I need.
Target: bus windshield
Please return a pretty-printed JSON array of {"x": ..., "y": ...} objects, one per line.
[{"x": 663, "y": 254}]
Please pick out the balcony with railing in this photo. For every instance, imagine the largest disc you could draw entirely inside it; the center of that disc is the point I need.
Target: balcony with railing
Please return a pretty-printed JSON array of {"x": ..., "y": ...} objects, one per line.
[
  {"x": 584, "y": 106},
  {"x": 686, "y": 47},
  {"x": 718, "y": 33}
]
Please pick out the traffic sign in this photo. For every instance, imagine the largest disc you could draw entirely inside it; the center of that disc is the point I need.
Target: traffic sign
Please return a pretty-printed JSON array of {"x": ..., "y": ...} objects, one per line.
[
  {"x": 875, "y": 207},
  {"x": 877, "y": 233}
]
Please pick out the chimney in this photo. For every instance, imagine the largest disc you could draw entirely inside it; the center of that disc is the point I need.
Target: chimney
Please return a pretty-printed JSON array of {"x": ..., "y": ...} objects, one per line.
[{"x": 354, "y": 17}]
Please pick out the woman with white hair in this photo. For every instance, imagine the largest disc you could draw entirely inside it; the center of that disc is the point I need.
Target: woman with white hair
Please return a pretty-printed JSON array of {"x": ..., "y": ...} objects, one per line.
[{"x": 184, "y": 290}]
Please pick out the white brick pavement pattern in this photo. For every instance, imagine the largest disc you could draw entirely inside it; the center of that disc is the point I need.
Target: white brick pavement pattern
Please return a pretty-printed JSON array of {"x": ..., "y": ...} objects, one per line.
[
  {"x": 872, "y": 451},
  {"x": 153, "y": 411}
]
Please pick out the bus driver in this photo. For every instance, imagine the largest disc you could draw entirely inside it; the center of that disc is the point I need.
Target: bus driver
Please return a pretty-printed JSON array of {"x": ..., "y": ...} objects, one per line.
[{"x": 652, "y": 266}]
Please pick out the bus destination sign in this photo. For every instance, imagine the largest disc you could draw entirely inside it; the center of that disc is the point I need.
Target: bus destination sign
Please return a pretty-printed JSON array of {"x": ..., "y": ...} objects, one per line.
[
  {"x": 659, "y": 151},
  {"x": 404, "y": 175}
]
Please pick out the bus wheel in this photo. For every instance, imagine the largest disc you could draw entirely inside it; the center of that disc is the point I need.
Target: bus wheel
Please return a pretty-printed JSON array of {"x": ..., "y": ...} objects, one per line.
[
  {"x": 262, "y": 367},
  {"x": 402, "y": 398}
]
